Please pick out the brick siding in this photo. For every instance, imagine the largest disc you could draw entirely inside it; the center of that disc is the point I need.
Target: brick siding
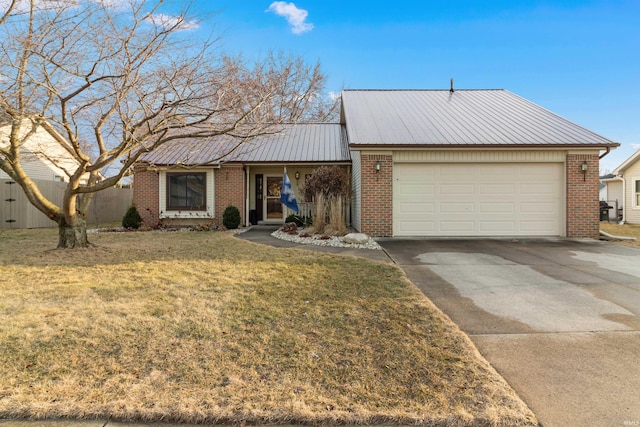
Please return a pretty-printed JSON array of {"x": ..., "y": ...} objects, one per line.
[
  {"x": 377, "y": 195},
  {"x": 146, "y": 196},
  {"x": 582, "y": 194},
  {"x": 583, "y": 213},
  {"x": 229, "y": 191},
  {"x": 229, "y": 183}
]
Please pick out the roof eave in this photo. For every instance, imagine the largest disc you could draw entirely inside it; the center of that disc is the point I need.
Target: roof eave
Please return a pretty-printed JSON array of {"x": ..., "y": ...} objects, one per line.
[{"x": 480, "y": 146}]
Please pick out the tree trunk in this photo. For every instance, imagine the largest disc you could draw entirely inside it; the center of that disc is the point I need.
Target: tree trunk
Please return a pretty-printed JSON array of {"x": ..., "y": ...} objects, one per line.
[{"x": 73, "y": 236}]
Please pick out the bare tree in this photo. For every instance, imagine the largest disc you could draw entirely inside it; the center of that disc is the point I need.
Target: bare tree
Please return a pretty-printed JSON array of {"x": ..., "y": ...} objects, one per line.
[
  {"x": 120, "y": 78},
  {"x": 8, "y": 10}
]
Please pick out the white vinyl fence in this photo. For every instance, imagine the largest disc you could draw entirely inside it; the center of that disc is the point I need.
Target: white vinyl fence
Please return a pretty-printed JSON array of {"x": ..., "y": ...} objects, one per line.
[{"x": 108, "y": 205}]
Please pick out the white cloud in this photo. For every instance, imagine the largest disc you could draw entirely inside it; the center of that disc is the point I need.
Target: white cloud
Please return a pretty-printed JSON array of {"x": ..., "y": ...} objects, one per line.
[
  {"x": 168, "y": 21},
  {"x": 295, "y": 17},
  {"x": 333, "y": 95},
  {"x": 636, "y": 146}
]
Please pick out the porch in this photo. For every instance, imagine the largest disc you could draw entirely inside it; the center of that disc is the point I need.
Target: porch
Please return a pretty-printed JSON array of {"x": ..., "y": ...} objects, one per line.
[{"x": 263, "y": 189}]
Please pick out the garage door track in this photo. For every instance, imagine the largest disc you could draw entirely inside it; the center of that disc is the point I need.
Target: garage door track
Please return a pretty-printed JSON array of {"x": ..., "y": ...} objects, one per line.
[{"x": 559, "y": 319}]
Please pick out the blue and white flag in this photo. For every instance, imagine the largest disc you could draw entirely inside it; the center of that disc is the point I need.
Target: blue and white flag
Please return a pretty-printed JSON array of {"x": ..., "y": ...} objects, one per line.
[{"x": 287, "y": 196}]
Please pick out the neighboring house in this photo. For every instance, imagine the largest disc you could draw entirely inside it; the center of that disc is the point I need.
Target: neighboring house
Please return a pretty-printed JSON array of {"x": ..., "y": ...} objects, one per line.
[
  {"x": 45, "y": 155},
  {"x": 423, "y": 163},
  {"x": 48, "y": 160},
  {"x": 611, "y": 193},
  {"x": 623, "y": 185}
]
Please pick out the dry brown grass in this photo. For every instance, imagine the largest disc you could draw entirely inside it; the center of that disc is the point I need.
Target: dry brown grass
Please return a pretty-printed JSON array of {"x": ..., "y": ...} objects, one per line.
[
  {"x": 625, "y": 230},
  {"x": 206, "y": 328}
]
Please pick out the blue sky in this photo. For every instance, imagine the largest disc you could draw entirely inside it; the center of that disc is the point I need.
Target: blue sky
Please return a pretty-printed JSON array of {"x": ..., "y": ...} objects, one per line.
[{"x": 579, "y": 59}]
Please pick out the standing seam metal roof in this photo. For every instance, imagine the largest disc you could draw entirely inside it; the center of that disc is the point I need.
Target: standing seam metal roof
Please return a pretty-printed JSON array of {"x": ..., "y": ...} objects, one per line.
[
  {"x": 464, "y": 117},
  {"x": 316, "y": 142}
]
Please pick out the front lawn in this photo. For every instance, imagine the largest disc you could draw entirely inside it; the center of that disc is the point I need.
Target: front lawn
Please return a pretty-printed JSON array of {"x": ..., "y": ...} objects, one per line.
[{"x": 202, "y": 327}]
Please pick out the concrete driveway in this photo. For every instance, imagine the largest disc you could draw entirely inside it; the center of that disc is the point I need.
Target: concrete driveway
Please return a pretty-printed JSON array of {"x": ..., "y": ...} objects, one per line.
[{"x": 559, "y": 319}]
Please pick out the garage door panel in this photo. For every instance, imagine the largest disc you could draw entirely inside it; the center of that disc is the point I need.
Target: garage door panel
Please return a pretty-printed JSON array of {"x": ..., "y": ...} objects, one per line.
[
  {"x": 489, "y": 199},
  {"x": 536, "y": 226},
  {"x": 456, "y": 227},
  {"x": 496, "y": 227},
  {"x": 419, "y": 188},
  {"x": 460, "y": 189},
  {"x": 496, "y": 190},
  {"x": 492, "y": 208},
  {"x": 453, "y": 208},
  {"x": 417, "y": 228},
  {"x": 538, "y": 208},
  {"x": 540, "y": 170},
  {"x": 538, "y": 188},
  {"x": 418, "y": 209}
]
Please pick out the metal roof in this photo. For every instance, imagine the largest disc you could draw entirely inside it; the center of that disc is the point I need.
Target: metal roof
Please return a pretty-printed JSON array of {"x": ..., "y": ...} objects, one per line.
[
  {"x": 294, "y": 143},
  {"x": 493, "y": 117}
]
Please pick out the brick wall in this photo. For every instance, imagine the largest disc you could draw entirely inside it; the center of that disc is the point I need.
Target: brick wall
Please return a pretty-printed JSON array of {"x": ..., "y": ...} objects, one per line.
[
  {"x": 229, "y": 182},
  {"x": 377, "y": 195},
  {"x": 583, "y": 213},
  {"x": 146, "y": 195}
]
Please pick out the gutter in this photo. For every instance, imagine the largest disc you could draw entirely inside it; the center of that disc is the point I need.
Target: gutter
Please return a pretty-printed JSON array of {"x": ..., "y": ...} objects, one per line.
[{"x": 356, "y": 146}]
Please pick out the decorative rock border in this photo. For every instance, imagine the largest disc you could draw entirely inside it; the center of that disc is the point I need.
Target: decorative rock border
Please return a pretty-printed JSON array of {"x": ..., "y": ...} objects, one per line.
[{"x": 334, "y": 241}]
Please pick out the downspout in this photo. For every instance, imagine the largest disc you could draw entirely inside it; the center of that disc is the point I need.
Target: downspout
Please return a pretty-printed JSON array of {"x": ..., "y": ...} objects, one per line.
[{"x": 605, "y": 153}]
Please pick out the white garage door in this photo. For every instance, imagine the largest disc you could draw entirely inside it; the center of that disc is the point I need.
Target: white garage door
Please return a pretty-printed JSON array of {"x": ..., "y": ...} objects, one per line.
[{"x": 482, "y": 199}]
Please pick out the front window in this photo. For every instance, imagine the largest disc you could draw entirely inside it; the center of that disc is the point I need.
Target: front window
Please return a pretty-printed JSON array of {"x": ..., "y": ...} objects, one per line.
[{"x": 186, "y": 191}]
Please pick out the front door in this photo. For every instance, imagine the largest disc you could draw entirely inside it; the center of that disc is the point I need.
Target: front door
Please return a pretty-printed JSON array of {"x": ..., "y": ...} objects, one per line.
[{"x": 273, "y": 207}]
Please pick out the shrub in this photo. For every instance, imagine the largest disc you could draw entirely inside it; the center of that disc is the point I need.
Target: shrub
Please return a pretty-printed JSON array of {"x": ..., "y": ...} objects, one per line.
[
  {"x": 299, "y": 220},
  {"x": 231, "y": 218},
  {"x": 329, "y": 180},
  {"x": 328, "y": 186},
  {"x": 132, "y": 218},
  {"x": 294, "y": 218}
]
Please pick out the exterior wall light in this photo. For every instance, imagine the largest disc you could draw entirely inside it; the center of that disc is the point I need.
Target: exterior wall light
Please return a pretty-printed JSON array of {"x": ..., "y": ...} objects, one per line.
[
  {"x": 297, "y": 175},
  {"x": 583, "y": 168},
  {"x": 377, "y": 167}
]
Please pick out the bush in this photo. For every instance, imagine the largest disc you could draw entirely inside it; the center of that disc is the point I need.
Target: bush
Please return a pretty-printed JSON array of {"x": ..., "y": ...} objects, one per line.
[
  {"x": 231, "y": 218},
  {"x": 294, "y": 218},
  {"x": 132, "y": 218},
  {"x": 299, "y": 220},
  {"x": 328, "y": 180},
  {"x": 328, "y": 186}
]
